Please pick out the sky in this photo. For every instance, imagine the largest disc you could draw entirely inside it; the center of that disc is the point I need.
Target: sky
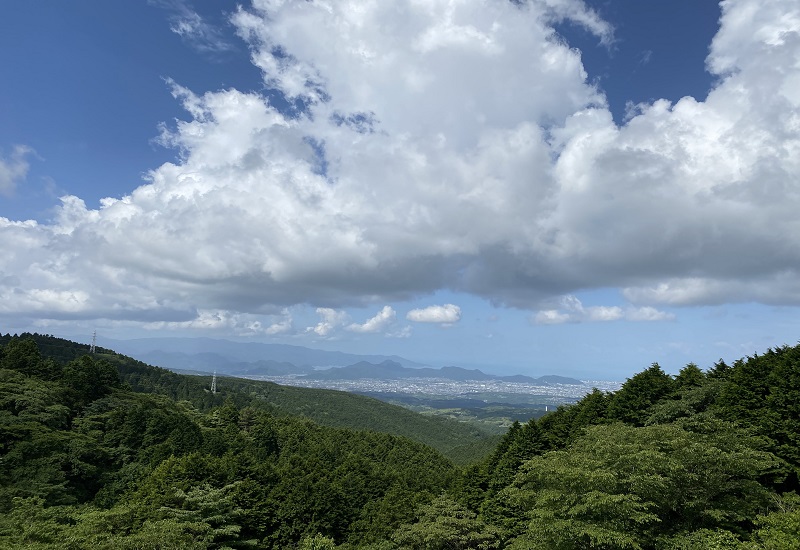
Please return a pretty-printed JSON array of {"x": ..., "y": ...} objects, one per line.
[{"x": 536, "y": 187}]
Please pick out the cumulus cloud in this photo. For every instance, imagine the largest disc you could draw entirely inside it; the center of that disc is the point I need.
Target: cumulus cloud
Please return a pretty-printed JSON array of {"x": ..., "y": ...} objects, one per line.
[
  {"x": 14, "y": 168},
  {"x": 330, "y": 320},
  {"x": 770, "y": 288},
  {"x": 215, "y": 320},
  {"x": 441, "y": 144},
  {"x": 572, "y": 310},
  {"x": 550, "y": 317},
  {"x": 446, "y": 314},
  {"x": 379, "y": 323},
  {"x": 282, "y": 326}
]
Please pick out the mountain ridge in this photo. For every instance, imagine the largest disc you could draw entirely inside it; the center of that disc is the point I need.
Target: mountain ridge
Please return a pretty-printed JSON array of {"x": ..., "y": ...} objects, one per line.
[
  {"x": 249, "y": 352},
  {"x": 390, "y": 370},
  {"x": 328, "y": 407},
  {"x": 262, "y": 359}
]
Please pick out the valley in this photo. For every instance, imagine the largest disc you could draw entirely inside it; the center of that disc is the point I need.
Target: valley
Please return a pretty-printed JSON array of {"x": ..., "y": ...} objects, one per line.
[
  {"x": 493, "y": 404},
  {"x": 489, "y": 401}
]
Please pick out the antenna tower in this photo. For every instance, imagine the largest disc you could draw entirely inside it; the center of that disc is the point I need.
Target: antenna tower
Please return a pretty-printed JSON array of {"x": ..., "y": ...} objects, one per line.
[
  {"x": 214, "y": 383},
  {"x": 94, "y": 341}
]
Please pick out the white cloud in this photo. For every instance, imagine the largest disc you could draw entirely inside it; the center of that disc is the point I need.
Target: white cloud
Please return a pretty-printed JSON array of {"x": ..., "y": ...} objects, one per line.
[
  {"x": 454, "y": 145},
  {"x": 571, "y": 310},
  {"x": 330, "y": 320},
  {"x": 446, "y": 314},
  {"x": 550, "y": 317},
  {"x": 403, "y": 332},
  {"x": 579, "y": 13},
  {"x": 378, "y": 323},
  {"x": 771, "y": 288},
  {"x": 215, "y": 321},
  {"x": 604, "y": 313},
  {"x": 648, "y": 313},
  {"x": 14, "y": 169},
  {"x": 282, "y": 326}
]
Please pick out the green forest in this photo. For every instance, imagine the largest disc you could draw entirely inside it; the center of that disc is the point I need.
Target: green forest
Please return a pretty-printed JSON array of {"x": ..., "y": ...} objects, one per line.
[{"x": 99, "y": 451}]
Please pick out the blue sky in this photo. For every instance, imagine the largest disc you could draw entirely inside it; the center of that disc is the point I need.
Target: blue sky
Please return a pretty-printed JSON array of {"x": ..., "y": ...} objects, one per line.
[{"x": 554, "y": 188}]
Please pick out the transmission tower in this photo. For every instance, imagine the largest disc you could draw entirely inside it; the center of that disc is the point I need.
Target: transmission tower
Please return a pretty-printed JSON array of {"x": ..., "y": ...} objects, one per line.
[
  {"x": 214, "y": 383},
  {"x": 94, "y": 341}
]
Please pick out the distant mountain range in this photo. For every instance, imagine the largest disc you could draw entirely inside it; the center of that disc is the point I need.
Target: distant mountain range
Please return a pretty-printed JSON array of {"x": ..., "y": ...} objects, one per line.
[
  {"x": 257, "y": 359},
  {"x": 390, "y": 370},
  {"x": 220, "y": 354}
]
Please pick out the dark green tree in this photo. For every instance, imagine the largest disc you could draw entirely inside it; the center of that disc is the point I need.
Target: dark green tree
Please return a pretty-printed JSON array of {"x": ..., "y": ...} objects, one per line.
[
  {"x": 632, "y": 402},
  {"x": 764, "y": 391},
  {"x": 689, "y": 376},
  {"x": 22, "y": 354},
  {"x": 89, "y": 378}
]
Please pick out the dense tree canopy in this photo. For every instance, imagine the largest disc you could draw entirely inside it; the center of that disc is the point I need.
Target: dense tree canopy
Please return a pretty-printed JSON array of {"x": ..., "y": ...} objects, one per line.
[{"x": 701, "y": 460}]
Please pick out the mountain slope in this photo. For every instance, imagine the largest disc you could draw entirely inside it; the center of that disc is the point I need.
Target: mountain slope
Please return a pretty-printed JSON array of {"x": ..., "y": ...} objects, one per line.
[
  {"x": 327, "y": 407},
  {"x": 88, "y": 463}
]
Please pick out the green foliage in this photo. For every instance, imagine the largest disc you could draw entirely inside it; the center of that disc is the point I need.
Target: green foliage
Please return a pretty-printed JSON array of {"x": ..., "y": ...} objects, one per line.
[
  {"x": 209, "y": 514},
  {"x": 237, "y": 474},
  {"x": 445, "y": 525},
  {"x": 690, "y": 376},
  {"x": 119, "y": 528},
  {"x": 632, "y": 403},
  {"x": 695, "y": 461},
  {"x": 22, "y": 354},
  {"x": 688, "y": 401},
  {"x": 35, "y": 450},
  {"x": 177, "y": 475},
  {"x": 520, "y": 444},
  {"x": 317, "y": 542},
  {"x": 625, "y": 487},
  {"x": 458, "y": 441},
  {"x": 58, "y": 349},
  {"x": 89, "y": 378},
  {"x": 764, "y": 392},
  {"x": 343, "y": 484},
  {"x": 705, "y": 539},
  {"x": 779, "y": 530},
  {"x": 563, "y": 426},
  {"x": 344, "y": 410},
  {"x": 27, "y": 523},
  {"x": 719, "y": 371}
]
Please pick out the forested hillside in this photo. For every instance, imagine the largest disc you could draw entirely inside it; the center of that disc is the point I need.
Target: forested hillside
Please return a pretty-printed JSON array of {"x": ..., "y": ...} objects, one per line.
[
  {"x": 701, "y": 460},
  {"x": 460, "y": 442}
]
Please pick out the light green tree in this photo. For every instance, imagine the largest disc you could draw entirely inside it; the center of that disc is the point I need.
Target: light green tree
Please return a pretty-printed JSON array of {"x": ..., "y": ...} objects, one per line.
[
  {"x": 317, "y": 542},
  {"x": 779, "y": 530},
  {"x": 210, "y": 515},
  {"x": 446, "y": 525},
  {"x": 704, "y": 539},
  {"x": 624, "y": 487}
]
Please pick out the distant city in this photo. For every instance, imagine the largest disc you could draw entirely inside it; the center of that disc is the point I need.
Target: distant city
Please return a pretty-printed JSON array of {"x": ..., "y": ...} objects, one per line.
[
  {"x": 559, "y": 393},
  {"x": 389, "y": 378}
]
